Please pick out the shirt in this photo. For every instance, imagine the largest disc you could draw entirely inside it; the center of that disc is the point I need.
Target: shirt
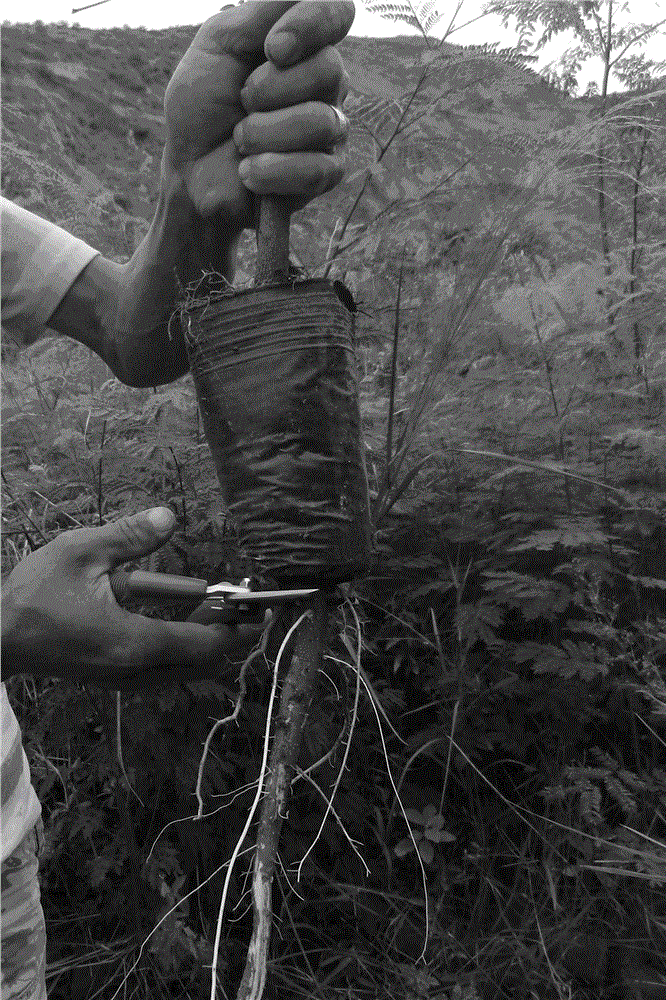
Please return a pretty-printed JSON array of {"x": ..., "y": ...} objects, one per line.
[{"x": 40, "y": 263}]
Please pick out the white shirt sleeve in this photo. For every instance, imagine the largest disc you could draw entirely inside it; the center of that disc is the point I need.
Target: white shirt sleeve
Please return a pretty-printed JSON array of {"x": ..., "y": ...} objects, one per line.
[
  {"x": 20, "y": 806},
  {"x": 40, "y": 263}
]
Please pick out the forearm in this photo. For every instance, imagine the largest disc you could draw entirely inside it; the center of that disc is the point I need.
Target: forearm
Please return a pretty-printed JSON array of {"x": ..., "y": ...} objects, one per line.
[{"x": 123, "y": 311}]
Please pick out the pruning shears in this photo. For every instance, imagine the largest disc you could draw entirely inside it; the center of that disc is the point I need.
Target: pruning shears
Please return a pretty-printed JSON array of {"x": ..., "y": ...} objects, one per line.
[{"x": 221, "y": 602}]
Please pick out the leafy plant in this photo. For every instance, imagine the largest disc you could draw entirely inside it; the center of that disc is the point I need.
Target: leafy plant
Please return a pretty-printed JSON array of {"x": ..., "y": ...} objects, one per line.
[{"x": 426, "y": 830}]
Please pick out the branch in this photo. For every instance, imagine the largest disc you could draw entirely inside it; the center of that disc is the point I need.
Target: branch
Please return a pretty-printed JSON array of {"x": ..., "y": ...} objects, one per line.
[{"x": 648, "y": 31}]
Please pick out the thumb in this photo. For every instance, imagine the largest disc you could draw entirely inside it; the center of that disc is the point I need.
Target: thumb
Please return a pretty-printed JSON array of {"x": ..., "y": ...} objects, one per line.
[{"x": 133, "y": 536}]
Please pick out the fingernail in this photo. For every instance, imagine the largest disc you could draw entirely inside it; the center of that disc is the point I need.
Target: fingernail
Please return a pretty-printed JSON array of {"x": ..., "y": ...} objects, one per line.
[
  {"x": 244, "y": 169},
  {"x": 253, "y": 85},
  {"x": 245, "y": 95},
  {"x": 238, "y": 137},
  {"x": 161, "y": 518},
  {"x": 284, "y": 48}
]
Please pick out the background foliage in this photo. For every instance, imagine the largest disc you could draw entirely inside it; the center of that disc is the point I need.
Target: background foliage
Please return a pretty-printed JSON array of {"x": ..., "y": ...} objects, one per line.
[{"x": 513, "y": 366}]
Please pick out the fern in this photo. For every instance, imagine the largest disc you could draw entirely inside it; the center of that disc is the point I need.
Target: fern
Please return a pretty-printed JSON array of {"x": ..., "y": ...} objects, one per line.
[
  {"x": 570, "y": 533},
  {"x": 652, "y": 685},
  {"x": 534, "y": 597},
  {"x": 569, "y": 659},
  {"x": 511, "y": 55},
  {"x": 587, "y": 783},
  {"x": 557, "y": 15},
  {"x": 422, "y": 15}
]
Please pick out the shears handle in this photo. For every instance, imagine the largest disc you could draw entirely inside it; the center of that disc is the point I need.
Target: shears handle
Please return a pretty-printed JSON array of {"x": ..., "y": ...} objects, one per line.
[{"x": 138, "y": 584}]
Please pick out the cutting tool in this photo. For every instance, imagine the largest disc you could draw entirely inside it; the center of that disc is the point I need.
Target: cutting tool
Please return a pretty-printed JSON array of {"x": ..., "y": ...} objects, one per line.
[{"x": 139, "y": 585}]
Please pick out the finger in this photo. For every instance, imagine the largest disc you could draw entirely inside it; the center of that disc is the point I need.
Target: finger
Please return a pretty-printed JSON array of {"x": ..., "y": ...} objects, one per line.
[
  {"x": 128, "y": 538},
  {"x": 212, "y": 184},
  {"x": 240, "y": 31},
  {"x": 150, "y": 644},
  {"x": 134, "y": 679},
  {"x": 306, "y": 27},
  {"x": 132, "y": 670},
  {"x": 311, "y": 126},
  {"x": 320, "y": 78},
  {"x": 308, "y": 174}
]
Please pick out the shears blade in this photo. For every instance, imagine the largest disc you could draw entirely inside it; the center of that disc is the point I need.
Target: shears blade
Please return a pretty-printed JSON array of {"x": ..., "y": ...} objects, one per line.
[{"x": 230, "y": 593}]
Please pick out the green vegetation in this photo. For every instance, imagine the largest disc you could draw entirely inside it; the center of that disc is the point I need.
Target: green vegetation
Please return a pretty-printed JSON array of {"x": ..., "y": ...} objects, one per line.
[{"x": 505, "y": 784}]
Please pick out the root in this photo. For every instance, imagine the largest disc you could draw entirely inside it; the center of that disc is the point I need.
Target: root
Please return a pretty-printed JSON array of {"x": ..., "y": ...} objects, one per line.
[
  {"x": 260, "y": 651},
  {"x": 288, "y": 728},
  {"x": 329, "y": 804},
  {"x": 253, "y": 808}
]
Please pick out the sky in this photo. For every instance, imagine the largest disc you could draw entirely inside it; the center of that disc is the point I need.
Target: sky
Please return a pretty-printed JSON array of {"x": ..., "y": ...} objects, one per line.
[{"x": 166, "y": 13}]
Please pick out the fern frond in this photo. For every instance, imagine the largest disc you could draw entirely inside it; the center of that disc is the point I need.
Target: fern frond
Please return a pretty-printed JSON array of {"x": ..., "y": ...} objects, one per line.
[
  {"x": 510, "y": 55},
  {"x": 617, "y": 791},
  {"x": 630, "y": 779},
  {"x": 395, "y": 12},
  {"x": 590, "y": 802},
  {"x": 652, "y": 687},
  {"x": 587, "y": 782},
  {"x": 423, "y": 16}
]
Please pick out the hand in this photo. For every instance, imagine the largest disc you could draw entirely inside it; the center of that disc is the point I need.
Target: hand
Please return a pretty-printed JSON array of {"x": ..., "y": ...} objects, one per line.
[
  {"x": 60, "y": 618},
  {"x": 230, "y": 114}
]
